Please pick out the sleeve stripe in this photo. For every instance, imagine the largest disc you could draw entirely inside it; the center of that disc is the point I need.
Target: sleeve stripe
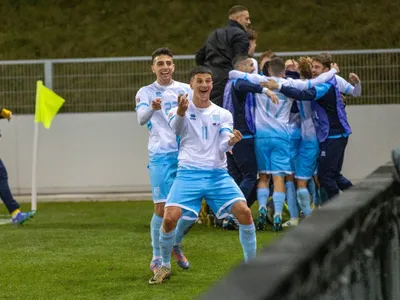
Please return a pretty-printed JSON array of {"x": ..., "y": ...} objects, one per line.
[
  {"x": 141, "y": 104},
  {"x": 169, "y": 122},
  {"x": 225, "y": 129}
]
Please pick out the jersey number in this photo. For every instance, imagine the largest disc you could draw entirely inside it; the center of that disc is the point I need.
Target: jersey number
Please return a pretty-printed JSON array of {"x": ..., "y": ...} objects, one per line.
[
  {"x": 269, "y": 103},
  {"x": 168, "y": 106},
  {"x": 204, "y": 132}
]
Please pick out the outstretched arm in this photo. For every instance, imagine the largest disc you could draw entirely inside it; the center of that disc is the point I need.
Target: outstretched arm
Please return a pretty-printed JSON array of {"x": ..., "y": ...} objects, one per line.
[{"x": 254, "y": 78}]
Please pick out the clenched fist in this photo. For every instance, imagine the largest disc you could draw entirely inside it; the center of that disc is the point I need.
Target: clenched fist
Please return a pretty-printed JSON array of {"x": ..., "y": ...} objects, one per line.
[{"x": 235, "y": 138}]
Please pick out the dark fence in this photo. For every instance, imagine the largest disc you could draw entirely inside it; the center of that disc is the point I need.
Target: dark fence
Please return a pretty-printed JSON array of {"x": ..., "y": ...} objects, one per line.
[{"x": 349, "y": 249}]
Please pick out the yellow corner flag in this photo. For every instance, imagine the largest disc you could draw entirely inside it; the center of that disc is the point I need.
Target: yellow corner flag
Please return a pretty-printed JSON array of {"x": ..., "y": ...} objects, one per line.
[{"x": 47, "y": 104}]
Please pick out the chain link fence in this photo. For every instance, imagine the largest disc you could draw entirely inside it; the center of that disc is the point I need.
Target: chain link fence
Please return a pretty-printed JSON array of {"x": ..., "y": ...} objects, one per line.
[{"x": 110, "y": 84}]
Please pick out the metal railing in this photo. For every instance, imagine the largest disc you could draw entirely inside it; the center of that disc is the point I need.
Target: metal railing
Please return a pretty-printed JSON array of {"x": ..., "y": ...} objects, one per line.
[
  {"x": 110, "y": 84},
  {"x": 349, "y": 249}
]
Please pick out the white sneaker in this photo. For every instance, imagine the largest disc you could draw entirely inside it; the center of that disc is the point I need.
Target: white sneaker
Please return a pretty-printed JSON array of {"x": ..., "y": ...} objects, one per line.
[{"x": 290, "y": 223}]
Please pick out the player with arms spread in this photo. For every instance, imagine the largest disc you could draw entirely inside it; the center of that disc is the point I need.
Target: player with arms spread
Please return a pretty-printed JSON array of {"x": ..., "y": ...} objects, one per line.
[{"x": 206, "y": 135}]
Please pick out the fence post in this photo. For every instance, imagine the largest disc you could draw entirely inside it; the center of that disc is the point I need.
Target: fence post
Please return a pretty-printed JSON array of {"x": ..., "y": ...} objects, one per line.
[{"x": 48, "y": 74}]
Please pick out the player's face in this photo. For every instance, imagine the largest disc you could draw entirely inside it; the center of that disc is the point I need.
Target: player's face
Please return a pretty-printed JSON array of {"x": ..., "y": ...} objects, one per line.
[
  {"x": 243, "y": 18},
  {"x": 163, "y": 67},
  {"x": 317, "y": 69},
  {"x": 201, "y": 85},
  {"x": 252, "y": 48},
  {"x": 248, "y": 66}
]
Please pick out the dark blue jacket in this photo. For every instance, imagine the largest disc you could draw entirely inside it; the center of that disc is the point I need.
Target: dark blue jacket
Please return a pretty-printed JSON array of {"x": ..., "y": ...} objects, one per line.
[
  {"x": 330, "y": 119},
  {"x": 239, "y": 100}
]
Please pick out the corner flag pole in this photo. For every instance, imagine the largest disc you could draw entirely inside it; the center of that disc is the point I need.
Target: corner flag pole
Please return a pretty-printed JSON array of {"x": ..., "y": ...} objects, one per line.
[
  {"x": 34, "y": 165},
  {"x": 48, "y": 79}
]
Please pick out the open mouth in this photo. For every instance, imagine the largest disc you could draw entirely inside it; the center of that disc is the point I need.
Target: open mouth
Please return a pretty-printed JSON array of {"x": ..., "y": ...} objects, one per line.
[{"x": 203, "y": 92}]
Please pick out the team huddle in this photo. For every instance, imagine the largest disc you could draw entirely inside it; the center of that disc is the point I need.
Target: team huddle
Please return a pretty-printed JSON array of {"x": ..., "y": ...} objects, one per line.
[{"x": 281, "y": 132}]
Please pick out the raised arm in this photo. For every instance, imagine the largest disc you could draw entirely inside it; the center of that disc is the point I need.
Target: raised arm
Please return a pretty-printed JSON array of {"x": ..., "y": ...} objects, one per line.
[
  {"x": 348, "y": 89},
  {"x": 309, "y": 83},
  {"x": 144, "y": 108},
  {"x": 176, "y": 117}
]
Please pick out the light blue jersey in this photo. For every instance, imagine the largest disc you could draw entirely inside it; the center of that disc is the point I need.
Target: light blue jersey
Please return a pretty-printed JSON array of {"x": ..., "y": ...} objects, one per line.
[
  {"x": 162, "y": 139},
  {"x": 163, "y": 143},
  {"x": 202, "y": 172}
]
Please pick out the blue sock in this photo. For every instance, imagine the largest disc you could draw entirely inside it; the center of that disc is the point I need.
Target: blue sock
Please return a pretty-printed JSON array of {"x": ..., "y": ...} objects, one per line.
[
  {"x": 262, "y": 197},
  {"x": 247, "y": 237},
  {"x": 303, "y": 196},
  {"x": 312, "y": 190},
  {"x": 182, "y": 228},
  {"x": 166, "y": 244},
  {"x": 291, "y": 199},
  {"x": 279, "y": 200},
  {"x": 155, "y": 226}
]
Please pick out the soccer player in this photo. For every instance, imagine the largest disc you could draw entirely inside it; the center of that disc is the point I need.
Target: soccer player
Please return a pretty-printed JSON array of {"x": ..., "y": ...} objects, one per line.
[
  {"x": 153, "y": 103},
  {"x": 206, "y": 135},
  {"x": 239, "y": 100},
  {"x": 331, "y": 125},
  {"x": 6, "y": 196},
  {"x": 291, "y": 71},
  {"x": 272, "y": 139}
]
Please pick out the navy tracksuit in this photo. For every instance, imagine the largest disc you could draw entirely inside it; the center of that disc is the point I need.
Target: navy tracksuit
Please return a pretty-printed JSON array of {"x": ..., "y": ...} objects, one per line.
[
  {"x": 5, "y": 193},
  {"x": 332, "y": 129}
]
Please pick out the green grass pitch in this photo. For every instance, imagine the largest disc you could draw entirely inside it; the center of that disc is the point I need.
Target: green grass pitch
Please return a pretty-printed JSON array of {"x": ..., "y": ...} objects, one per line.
[{"x": 102, "y": 250}]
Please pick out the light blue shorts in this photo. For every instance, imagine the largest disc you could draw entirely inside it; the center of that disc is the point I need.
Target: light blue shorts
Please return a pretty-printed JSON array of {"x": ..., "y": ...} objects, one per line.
[
  {"x": 162, "y": 172},
  {"x": 216, "y": 186},
  {"x": 307, "y": 159},
  {"x": 273, "y": 156}
]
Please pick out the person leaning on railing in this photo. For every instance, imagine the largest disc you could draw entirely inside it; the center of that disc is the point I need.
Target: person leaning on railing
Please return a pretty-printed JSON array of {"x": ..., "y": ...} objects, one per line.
[{"x": 13, "y": 206}]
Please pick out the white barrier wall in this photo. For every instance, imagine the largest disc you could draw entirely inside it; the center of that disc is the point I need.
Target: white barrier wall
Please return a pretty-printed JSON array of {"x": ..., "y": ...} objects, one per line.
[{"x": 107, "y": 152}]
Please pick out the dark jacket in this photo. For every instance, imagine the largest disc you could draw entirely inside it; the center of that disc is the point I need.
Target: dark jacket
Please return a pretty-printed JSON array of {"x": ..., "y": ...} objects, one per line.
[
  {"x": 221, "y": 47},
  {"x": 330, "y": 119},
  {"x": 239, "y": 100}
]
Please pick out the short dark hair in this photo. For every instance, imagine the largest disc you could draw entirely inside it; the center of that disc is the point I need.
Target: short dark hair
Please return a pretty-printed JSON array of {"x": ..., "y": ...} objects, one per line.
[
  {"x": 252, "y": 34},
  {"x": 238, "y": 60},
  {"x": 325, "y": 59},
  {"x": 237, "y": 8},
  {"x": 277, "y": 65},
  {"x": 200, "y": 70},
  {"x": 161, "y": 51}
]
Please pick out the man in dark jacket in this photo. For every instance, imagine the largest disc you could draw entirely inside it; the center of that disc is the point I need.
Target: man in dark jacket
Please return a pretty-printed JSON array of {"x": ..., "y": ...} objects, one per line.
[{"x": 222, "y": 46}]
